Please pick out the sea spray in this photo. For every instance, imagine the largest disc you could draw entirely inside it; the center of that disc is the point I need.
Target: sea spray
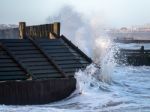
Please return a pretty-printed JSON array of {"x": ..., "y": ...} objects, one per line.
[
  {"x": 89, "y": 79},
  {"x": 98, "y": 75},
  {"x": 81, "y": 29},
  {"x": 90, "y": 36},
  {"x": 105, "y": 51}
]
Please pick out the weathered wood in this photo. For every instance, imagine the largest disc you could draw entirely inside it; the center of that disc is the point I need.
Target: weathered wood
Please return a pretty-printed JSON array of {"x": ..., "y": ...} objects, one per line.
[
  {"x": 56, "y": 28},
  {"x": 131, "y": 41},
  {"x": 40, "y": 67},
  {"x": 75, "y": 65},
  {"x": 76, "y": 49},
  {"x": 43, "y": 31},
  {"x": 36, "y": 31},
  {"x": 22, "y": 30},
  {"x": 51, "y": 36},
  {"x": 67, "y": 54},
  {"x": 7, "y": 65},
  {"x": 59, "y": 51},
  {"x": 48, "y": 57},
  {"x": 26, "y": 56},
  {"x": 37, "y": 63},
  {"x": 47, "y": 75},
  {"x": 36, "y": 92},
  {"x": 19, "y": 44},
  {"x": 12, "y": 73},
  {"x": 10, "y": 69},
  {"x": 40, "y": 30},
  {"x": 134, "y": 57},
  {"x": 11, "y": 76},
  {"x": 17, "y": 61},
  {"x": 48, "y": 71}
]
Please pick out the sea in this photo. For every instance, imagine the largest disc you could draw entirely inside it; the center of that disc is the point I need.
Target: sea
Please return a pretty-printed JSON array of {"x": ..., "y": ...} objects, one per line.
[{"x": 106, "y": 88}]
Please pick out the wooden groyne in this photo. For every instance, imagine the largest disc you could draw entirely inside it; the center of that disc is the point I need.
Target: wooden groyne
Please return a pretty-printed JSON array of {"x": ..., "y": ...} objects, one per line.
[
  {"x": 40, "y": 31},
  {"x": 36, "y": 91},
  {"x": 130, "y": 41},
  {"x": 136, "y": 57},
  {"x": 38, "y": 65}
]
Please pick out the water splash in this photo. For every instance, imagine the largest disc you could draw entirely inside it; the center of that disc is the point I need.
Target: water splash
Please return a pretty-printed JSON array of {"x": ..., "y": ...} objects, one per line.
[
  {"x": 99, "y": 75},
  {"x": 106, "y": 58},
  {"x": 89, "y": 79},
  {"x": 90, "y": 36},
  {"x": 81, "y": 29}
]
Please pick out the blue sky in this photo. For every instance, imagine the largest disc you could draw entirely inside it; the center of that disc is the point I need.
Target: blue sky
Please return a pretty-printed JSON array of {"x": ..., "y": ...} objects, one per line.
[{"x": 116, "y": 12}]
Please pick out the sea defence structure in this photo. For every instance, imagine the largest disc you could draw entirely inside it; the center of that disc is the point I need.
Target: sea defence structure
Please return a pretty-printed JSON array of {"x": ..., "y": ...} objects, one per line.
[
  {"x": 127, "y": 41},
  {"x": 135, "y": 57},
  {"x": 37, "y": 64}
]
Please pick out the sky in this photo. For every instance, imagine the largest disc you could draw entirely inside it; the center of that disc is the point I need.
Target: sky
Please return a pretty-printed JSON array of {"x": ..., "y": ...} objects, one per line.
[{"x": 117, "y": 13}]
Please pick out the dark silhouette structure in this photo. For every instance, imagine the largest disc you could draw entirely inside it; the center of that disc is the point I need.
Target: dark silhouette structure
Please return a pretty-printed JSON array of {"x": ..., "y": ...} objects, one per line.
[
  {"x": 39, "y": 66},
  {"x": 137, "y": 57}
]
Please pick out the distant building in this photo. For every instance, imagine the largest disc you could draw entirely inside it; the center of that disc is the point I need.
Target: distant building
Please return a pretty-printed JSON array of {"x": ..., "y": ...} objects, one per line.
[
  {"x": 123, "y": 29},
  {"x": 135, "y": 32}
]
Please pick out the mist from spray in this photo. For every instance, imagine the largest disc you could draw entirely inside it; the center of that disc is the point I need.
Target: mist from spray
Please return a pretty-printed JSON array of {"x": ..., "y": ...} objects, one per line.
[
  {"x": 79, "y": 28},
  {"x": 90, "y": 36}
]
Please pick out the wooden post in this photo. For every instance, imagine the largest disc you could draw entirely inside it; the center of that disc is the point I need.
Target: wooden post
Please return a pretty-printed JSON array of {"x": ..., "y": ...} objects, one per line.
[
  {"x": 56, "y": 28},
  {"x": 22, "y": 30},
  {"x": 31, "y": 31},
  {"x": 51, "y": 36},
  {"x": 42, "y": 30},
  {"x": 34, "y": 31},
  {"x": 39, "y": 31},
  {"x": 46, "y": 30}
]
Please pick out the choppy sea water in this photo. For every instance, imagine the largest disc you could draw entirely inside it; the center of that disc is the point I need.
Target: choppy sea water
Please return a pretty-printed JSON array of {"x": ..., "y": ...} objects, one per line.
[{"x": 129, "y": 91}]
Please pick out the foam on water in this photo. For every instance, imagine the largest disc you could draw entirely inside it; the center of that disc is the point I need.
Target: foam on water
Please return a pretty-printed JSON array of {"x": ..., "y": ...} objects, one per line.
[{"x": 128, "y": 92}]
